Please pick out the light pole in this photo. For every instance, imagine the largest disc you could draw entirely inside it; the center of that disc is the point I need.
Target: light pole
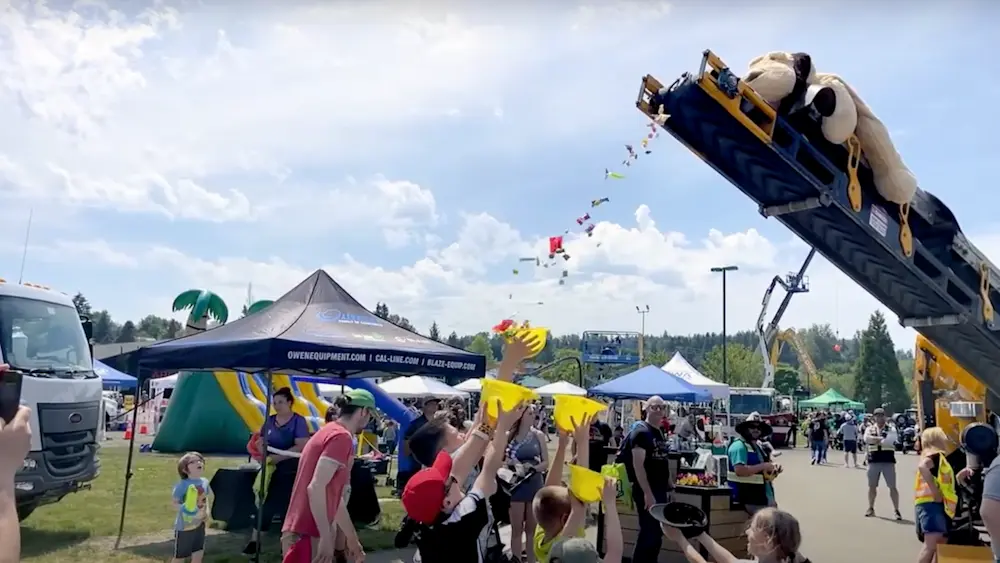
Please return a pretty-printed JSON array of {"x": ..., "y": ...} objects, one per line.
[
  {"x": 642, "y": 330},
  {"x": 723, "y": 270}
]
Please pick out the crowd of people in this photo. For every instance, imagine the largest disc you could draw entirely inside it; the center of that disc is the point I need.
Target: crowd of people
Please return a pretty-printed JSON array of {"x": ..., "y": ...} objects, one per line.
[{"x": 468, "y": 473}]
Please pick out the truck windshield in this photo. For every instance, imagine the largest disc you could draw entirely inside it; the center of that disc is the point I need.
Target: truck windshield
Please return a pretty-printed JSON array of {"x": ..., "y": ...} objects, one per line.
[
  {"x": 746, "y": 404},
  {"x": 42, "y": 337}
]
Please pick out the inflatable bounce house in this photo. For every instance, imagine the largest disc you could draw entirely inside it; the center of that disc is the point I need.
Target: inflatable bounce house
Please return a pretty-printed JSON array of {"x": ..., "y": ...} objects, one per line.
[{"x": 216, "y": 412}]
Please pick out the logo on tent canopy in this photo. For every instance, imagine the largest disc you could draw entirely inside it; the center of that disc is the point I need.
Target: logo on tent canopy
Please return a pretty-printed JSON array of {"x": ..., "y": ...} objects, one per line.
[{"x": 338, "y": 316}]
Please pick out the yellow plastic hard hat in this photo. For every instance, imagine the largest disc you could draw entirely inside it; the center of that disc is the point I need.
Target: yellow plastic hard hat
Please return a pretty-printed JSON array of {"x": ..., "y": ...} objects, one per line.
[
  {"x": 504, "y": 393},
  {"x": 572, "y": 409},
  {"x": 585, "y": 484},
  {"x": 538, "y": 337}
]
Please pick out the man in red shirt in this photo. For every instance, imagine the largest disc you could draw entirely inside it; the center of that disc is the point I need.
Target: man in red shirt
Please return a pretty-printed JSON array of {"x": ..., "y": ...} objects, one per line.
[{"x": 323, "y": 475}]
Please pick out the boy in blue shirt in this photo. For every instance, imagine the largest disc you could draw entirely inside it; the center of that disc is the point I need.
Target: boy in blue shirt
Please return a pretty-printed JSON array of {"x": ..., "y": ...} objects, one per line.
[{"x": 190, "y": 498}]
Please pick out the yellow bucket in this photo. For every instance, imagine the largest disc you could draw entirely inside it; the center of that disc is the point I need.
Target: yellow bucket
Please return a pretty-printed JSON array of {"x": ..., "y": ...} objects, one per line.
[
  {"x": 504, "y": 393},
  {"x": 570, "y": 408},
  {"x": 537, "y": 336},
  {"x": 585, "y": 484}
]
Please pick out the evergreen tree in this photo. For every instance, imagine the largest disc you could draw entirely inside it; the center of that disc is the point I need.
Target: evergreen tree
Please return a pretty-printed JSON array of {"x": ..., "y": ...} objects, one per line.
[
  {"x": 481, "y": 345},
  {"x": 82, "y": 305},
  {"x": 877, "y": 379},
  {"x": 434, "y": 333},
  {"x": 127, "y": 333}
]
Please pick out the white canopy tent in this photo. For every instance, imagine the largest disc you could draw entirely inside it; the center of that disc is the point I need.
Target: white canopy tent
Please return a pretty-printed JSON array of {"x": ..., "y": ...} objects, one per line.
[
  {"x": 160, "y": 384},
  {"x": 416, "y": 386},
  {"x": 678, "y": 366},
  {"x": 560, "y": 388},
  {"x": 332, "y": 391},
  {"x": 474, "y": 385}
]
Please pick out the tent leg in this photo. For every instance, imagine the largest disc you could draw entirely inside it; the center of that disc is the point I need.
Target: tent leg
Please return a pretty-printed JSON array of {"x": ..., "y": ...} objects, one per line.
[
  {"x": 128, "y": 465},
  {"x": 263, "y": 466}
]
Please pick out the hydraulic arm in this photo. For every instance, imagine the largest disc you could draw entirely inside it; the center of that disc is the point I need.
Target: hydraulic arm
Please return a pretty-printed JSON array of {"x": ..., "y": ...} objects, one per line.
[{"x": 792, "y": 283}]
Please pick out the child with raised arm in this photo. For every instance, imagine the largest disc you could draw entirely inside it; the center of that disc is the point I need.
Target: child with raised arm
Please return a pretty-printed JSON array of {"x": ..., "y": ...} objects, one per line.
[
  {"x": 559, "y": 514},
  {"x": 190, "y": 498},
  {"x": 773, "y": 536}
]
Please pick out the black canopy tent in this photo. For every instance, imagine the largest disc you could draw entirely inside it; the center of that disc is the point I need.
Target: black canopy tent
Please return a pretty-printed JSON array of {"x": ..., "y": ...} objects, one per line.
[{"x": 316, "y": 329}]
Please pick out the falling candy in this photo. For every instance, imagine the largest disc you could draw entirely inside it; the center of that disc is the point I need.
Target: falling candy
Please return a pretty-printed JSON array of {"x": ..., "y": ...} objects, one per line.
[
  {"x": 589, "y": 230},
  {"x": 597, "y": 202},
  {"x": 613, "y": 175},
  {"x": 583, "y": 219}
]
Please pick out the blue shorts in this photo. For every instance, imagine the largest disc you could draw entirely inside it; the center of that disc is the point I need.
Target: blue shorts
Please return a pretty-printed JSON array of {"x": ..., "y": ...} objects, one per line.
[{"x": 931, "y": 518}]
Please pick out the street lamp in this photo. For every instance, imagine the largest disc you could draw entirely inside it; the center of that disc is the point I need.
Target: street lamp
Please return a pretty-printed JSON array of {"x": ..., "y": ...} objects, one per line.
[
  {"x": 642, "y": 333},
  {"x": 723, "y": 270}
]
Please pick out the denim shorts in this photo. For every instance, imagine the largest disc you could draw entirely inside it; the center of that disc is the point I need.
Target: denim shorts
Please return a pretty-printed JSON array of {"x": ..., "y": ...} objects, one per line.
[{"x": 931, "y": 518}]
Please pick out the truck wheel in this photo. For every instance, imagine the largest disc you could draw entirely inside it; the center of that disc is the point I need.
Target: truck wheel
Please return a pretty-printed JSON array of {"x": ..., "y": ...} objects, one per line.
[{"x": 25, "y": 510}]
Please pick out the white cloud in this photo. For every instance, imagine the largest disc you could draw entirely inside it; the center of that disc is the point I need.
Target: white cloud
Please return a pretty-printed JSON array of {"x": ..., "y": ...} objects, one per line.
[
  {"x": 635, "y": 265},
  {"x": 277, "y": 122}
]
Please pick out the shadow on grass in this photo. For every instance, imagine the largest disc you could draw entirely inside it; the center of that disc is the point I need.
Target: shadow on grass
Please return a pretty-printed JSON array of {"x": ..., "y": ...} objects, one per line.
[
  {"x": 224, "y": 547},
  {"x": 219, "y": 548},
  {"x": 36, "y": 542}
]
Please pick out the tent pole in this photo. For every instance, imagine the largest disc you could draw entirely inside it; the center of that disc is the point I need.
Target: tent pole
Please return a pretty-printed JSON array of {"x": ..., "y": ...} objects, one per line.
[
  {"x": 262, "y": 493},
  {"x": 128, "y": 462}
]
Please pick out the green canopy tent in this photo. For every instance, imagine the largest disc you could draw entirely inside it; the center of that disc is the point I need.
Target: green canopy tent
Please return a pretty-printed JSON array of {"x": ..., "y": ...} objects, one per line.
[{"x": 831, "y": 398}]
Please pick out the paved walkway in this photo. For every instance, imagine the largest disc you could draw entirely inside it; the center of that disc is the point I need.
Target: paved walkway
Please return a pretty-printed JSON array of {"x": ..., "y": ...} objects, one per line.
[{"x": 830, "y": 502}]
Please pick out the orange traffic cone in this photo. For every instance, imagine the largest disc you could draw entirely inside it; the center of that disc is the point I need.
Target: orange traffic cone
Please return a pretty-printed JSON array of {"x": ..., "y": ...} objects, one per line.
[
  {"x": 128, "y": 431},
  {"x": 143, "y": 430}
]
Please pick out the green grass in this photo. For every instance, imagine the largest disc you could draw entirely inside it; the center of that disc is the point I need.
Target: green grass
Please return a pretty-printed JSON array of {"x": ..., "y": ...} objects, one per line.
[{"x": 83, "y": 525}]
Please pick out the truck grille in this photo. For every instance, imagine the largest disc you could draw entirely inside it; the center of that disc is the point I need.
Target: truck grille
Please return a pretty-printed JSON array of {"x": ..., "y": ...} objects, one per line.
[{"x": 69, "y": 437}]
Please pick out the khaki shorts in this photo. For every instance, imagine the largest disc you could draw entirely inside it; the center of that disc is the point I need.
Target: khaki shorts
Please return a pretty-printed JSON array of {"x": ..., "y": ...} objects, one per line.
[{"x": 877, "y": 471}]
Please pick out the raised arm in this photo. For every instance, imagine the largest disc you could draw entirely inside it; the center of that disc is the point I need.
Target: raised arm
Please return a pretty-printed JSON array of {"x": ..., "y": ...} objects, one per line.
[
  {"x": 514, "y": 353},
  {"x": 558, "y": 461},
  {"x": 486, "y": 481},
  {"x": 615, "y": 543}
]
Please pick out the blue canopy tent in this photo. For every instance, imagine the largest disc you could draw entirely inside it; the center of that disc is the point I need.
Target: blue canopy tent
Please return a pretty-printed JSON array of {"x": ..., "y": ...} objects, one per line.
[
  {"x": 648, "y": 381},
  {"x": 316, "y": 329},
  {"x": 112, "y": 378}
]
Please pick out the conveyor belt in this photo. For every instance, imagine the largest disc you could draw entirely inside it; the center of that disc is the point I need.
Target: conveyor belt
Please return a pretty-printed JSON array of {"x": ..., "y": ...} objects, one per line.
[{"x": 914, "y": 259}]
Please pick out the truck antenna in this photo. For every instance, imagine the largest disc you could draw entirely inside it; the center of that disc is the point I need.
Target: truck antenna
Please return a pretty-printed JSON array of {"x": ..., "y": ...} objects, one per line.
[{"x": 24, "y": 253}]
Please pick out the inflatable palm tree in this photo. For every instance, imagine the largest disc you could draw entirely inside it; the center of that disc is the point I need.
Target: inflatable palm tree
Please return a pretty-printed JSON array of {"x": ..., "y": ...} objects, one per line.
[
  {"x": 203, "y": 305},
  {"x": 258, "y": 306}
]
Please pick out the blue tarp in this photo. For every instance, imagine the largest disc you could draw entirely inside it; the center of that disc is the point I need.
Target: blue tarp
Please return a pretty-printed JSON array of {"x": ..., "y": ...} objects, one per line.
[
  {"x": 648, "y": 381},
  {"x": 316, "y": 328},
  {"x": 112, "y": 378}
]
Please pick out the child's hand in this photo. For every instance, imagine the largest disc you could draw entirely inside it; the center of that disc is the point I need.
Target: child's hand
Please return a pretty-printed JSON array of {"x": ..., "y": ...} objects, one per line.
[
  {"x": 610, "y": 492},
  {"x": 480, "y": 417},
  {"x": 673, "y": 534},
  {"x": 506, "y": 419},
  {"x": 581, "y": 430}
]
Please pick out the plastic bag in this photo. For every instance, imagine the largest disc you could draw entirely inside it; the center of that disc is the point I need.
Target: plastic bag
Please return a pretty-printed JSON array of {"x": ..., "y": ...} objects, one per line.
[{"x": 617, "y": 471}]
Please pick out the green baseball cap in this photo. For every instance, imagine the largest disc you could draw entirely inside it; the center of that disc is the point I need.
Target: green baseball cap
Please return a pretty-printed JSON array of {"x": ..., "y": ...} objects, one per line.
[
  {"x": 361, "y": 398},
  {"x": 574, "y": 550}
]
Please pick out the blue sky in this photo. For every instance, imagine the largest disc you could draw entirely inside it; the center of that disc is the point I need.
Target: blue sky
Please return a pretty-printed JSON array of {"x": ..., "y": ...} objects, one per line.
[{"x": 417, "y": 154}]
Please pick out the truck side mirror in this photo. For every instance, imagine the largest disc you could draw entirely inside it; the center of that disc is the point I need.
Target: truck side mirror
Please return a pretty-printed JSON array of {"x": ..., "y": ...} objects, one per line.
[{"x": 88, "y": 327}]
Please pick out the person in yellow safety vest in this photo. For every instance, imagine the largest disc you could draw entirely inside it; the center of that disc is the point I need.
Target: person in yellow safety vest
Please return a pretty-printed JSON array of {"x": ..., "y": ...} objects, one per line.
[
  {"x": 934, "y": 495},
  {"x": 750, "y": 468},
  {"x": 880, "y": 441}
]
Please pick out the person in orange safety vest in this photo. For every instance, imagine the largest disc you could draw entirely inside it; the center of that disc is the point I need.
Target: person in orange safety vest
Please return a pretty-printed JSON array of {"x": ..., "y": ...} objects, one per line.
[{"x": 934, "y": 496}]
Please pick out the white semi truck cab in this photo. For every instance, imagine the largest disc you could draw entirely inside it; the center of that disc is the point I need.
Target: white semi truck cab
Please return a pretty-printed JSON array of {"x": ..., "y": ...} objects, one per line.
[{"x": 43, "y": 336}]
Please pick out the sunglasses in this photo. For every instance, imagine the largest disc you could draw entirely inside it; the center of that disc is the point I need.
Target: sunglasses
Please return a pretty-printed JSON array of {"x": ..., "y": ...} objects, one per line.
[{"x": 655, "y": 407}]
